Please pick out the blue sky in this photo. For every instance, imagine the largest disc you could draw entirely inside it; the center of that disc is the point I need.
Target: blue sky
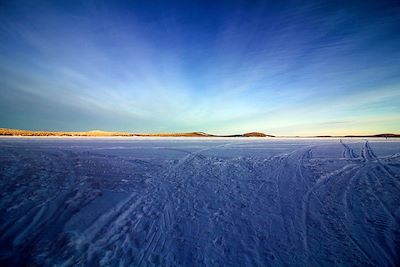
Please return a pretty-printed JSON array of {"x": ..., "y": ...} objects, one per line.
[{"x": 224, "y": 67}]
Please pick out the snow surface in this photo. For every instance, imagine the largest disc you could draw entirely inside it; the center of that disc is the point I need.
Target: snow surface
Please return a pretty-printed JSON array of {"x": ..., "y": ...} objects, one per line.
[{"x": 199, "y": 202}]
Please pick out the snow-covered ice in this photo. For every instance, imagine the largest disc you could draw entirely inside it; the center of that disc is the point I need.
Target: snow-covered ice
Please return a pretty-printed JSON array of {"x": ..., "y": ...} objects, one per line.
[{"x": 199, "y": 202}]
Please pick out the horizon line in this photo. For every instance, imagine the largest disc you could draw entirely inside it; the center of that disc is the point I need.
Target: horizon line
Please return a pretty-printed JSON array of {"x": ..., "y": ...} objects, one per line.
[{"x": 97, "y": 132}]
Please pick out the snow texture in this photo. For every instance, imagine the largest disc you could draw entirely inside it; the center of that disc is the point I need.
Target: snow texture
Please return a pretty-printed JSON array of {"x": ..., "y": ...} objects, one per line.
[{"x": 199, "y": 202}]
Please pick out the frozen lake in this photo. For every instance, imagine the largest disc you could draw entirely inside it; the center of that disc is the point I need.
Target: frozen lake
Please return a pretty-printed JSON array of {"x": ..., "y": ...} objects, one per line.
[{"x": 199, "y": 202}]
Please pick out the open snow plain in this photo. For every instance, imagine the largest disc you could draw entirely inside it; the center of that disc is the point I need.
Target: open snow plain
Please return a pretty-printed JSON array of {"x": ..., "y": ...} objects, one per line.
[{"x": 199, "y": 202}]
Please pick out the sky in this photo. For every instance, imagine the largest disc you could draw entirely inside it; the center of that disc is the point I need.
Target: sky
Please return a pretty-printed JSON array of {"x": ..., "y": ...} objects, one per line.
[{"x": 222, "y": 67}]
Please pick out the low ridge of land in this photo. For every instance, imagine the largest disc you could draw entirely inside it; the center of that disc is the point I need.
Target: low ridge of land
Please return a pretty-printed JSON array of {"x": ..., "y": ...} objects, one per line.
[
  {"x": 99, "y": 133},
  {"x": 376, "y": 135},
  {"x": 16, "y": 132}
]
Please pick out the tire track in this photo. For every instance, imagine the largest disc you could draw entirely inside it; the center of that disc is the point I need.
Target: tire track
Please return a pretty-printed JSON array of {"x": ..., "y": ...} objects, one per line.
[
  {"x": 311, "y": 192},
  {"x": 367, "y": 154},
  {"x": 348, "y": 153}
]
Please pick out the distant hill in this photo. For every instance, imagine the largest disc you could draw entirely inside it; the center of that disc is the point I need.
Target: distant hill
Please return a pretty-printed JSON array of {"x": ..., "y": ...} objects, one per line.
[
  {"x": 376, "y": 135},
  {"x": 257, "y": 134},
  {"x": 16, "y": 132}
]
